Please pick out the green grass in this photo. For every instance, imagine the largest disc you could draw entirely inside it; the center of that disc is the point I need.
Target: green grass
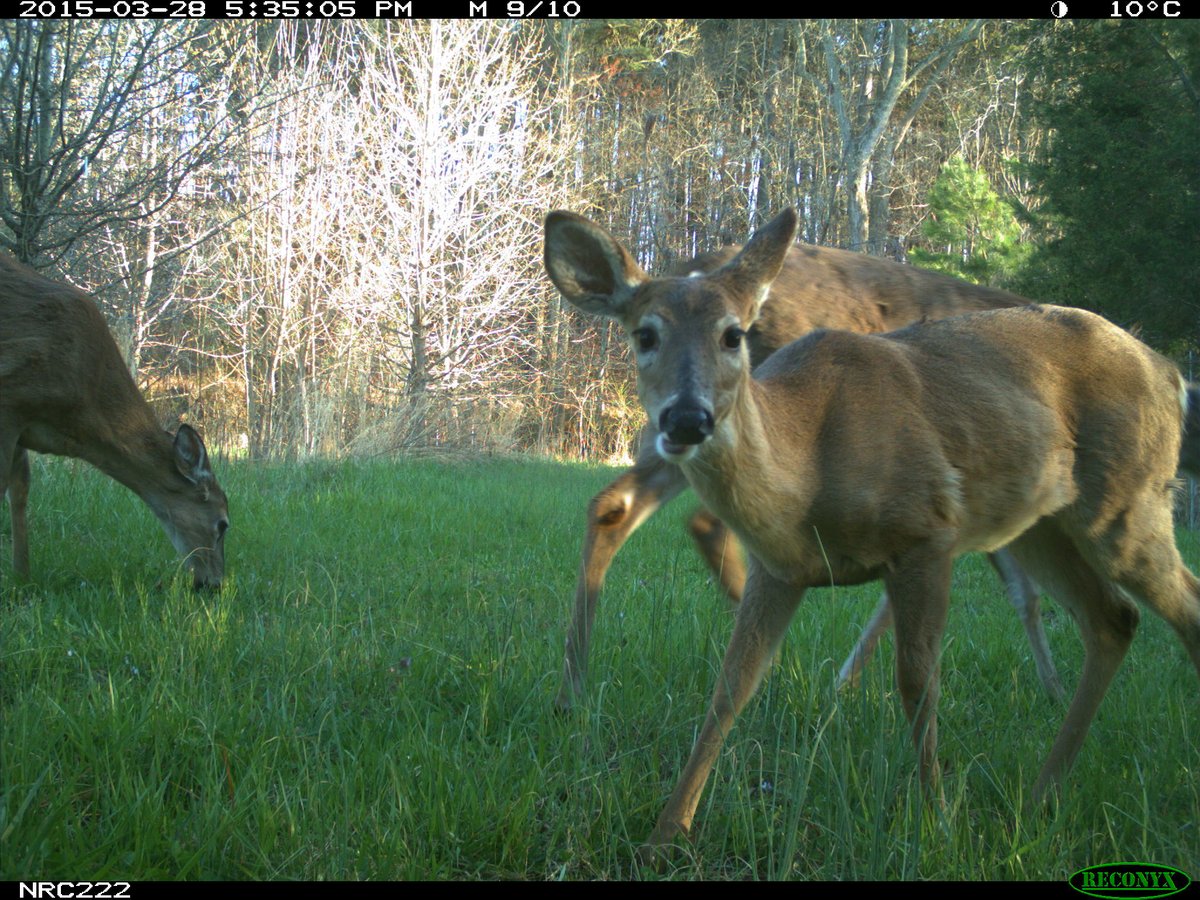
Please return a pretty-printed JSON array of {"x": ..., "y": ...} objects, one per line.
[{"x": 370, "y": 697}]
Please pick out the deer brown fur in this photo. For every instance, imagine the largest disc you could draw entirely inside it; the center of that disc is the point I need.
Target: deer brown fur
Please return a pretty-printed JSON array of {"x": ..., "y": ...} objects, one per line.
[{"x": 851, "y": 457}]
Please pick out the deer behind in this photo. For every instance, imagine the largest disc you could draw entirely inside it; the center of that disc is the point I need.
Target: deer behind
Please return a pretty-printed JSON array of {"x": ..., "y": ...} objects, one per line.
[
  {"x": 64, "y": 389},
  {"x": 854, "y": 457},
  {"x": 825, "y": 287}
]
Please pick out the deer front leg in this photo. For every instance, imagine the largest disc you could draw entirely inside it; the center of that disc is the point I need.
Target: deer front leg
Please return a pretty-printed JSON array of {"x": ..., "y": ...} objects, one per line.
[
  {"x": 762, "y": 619},
  {"x": 919, "y": 590},
  {"x": 613, "y": 515}
]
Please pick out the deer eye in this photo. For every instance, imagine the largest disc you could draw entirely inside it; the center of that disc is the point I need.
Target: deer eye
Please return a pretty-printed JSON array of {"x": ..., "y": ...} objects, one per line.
[
  {"x": 732, "y": 338},
  {"x": 646, "y": 339}
]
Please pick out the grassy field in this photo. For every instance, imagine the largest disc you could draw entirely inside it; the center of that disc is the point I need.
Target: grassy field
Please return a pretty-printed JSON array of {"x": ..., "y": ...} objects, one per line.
[{"x": 370, "y": 697}]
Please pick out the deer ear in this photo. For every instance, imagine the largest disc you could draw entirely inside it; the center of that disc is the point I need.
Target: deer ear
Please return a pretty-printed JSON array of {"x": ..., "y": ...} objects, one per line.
[
  {"x": 191, "y": 456},
  {"x": 587, "y": 264},
  {"x": 759, "y": 262}
]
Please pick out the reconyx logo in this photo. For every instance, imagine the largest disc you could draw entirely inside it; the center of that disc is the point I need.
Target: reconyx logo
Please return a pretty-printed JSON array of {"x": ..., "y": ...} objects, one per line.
[{"x": 1129, "y": 881}]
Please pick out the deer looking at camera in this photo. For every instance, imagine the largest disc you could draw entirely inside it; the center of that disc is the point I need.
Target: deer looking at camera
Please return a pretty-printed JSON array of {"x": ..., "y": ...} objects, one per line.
[
  {"x": 817, "y": 287},
  {"x": 850, "y": 457},
  {"x": 64, "y": 389}
]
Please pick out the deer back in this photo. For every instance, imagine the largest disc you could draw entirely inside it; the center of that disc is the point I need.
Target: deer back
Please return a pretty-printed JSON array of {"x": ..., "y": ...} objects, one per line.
[{"x": 824, "y": 287}]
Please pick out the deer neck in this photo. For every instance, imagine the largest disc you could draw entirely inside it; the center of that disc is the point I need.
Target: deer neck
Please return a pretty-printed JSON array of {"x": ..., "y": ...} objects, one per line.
[
  {"x": 130, "y": 448},
  {"x": 752, "y": 472}
]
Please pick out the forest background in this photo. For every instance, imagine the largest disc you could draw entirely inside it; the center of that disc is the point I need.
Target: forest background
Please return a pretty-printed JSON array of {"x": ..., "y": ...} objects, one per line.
[{"x": 325, "y": 238}]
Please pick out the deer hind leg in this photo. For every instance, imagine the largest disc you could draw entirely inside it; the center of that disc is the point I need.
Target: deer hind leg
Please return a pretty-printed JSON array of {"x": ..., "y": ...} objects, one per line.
[
  {"x": 1145, "y": 561},
  {"x": 1139, "y": 553},
  {"x": 720, "y": 550},
  {"x": 613, "y": 515},
  {"x": 1023, "y": 595},
  {"x": 1107, "y": 620},
  {"x": 762, "y": 620},
  {"x": 919, "y": 591},
  {"x": 1181, "y": 609}
]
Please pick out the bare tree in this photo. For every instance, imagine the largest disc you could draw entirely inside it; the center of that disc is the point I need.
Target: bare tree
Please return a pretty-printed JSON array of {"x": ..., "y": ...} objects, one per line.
[
  {"x": 105, "y": 128},
  {"x": 393, "y": 222},
  {"x": 462, "y": 167},
  {"x": 77, "y": 102},
  {"x": 868, "y": 71}
]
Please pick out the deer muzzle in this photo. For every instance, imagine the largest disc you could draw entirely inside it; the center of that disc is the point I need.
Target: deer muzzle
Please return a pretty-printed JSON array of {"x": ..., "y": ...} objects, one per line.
[{"x": 683, "y": 426}]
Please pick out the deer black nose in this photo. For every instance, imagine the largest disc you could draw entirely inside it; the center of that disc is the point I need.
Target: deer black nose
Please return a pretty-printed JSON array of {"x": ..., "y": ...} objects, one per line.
[{"x": 686, "y": 423}]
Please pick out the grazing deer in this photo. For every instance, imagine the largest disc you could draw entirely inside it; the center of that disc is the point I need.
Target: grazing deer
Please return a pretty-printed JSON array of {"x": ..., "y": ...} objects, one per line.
[
  {"x": 818, "y": 287},
  {"x": 849, "y": 458},
  {"x": 65, "y": 389}
]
